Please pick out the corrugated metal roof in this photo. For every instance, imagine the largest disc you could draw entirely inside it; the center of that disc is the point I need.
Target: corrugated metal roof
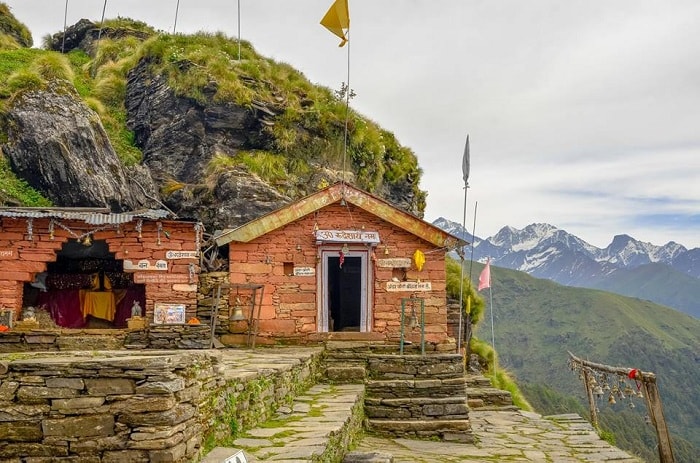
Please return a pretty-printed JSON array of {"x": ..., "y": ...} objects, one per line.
[{"x": 93, "y": 216}]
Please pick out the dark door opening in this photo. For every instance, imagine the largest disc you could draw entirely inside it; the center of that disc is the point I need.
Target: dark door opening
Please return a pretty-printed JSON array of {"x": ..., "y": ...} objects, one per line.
[
  {"x": 86, "y": 287},
  {"x": 344, "y": 293}
]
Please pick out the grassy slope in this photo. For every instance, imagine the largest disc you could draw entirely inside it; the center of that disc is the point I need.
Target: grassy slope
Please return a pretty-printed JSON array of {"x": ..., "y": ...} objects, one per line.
[
  {"x": 537, "y": 321},
  {"x": 660, "y": 282},
  {"x": 305, "y": 132}
]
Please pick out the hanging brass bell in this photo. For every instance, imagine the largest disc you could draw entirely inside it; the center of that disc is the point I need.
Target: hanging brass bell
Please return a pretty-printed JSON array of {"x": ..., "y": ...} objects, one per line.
[
  {"x": 598, "y": 391},
  {"x": 237, "y": 315},
  {"x": 611, "y": 399}
]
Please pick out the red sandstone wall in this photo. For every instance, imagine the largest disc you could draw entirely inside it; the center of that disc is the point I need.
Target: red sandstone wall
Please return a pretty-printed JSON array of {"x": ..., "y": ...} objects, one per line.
[
  {"x": 289, "y": 308},
  {"x": 21, "y": 258}
]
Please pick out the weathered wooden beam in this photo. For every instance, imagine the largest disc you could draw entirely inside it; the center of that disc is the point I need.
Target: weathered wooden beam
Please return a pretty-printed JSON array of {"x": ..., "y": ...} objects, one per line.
[{"x": 651, "y": 395}]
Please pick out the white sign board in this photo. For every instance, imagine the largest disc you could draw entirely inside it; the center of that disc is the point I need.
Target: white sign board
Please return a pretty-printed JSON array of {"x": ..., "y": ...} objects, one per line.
[
  {"x": 348, "y": 236},
  {"x": 181, "y": 255},
  {"x": 304, "y": 271},
  {"x": 408, "y": 286},
  {"x": 144, "y": 264},
  {"x": 397, "y": 262}
]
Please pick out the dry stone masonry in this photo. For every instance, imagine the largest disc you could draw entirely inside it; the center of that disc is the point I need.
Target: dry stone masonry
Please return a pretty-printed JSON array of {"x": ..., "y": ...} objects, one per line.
[{"x": 127, "y": 407}]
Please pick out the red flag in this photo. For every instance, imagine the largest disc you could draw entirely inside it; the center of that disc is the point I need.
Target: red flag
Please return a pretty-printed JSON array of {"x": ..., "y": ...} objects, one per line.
[{"x": 485, "y": 276}]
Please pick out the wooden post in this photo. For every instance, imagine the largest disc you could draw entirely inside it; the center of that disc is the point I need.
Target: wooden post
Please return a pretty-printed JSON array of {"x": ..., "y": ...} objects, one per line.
[
  {"x": 652, "y": 398},
  {"x": 656, "y": 413},
  {"x": 591, "y": 401}
]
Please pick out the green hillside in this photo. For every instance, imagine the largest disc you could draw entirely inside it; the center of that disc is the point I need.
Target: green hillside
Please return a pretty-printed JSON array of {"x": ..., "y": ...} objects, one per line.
[
  {"x": 537, "y": 321},
  {"x": 304, "y": 133},
  {"x": 658, "y": 282}
]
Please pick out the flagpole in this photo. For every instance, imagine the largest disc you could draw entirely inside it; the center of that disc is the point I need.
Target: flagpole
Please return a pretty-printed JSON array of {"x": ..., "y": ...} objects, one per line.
[
  {"x": 65, "y": 20},
  {"x": 177, "y": 7},
  {"x": 465, "y": 176},
  {"x": 239, "y": 31},
  {"x": 493, "y": 338},
  {"x": 461, "y": 274},
  {"x": 347, "y": 114}
]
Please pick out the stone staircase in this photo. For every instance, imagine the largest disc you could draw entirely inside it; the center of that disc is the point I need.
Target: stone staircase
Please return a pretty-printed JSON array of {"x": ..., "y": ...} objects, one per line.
[
  {"x": 483, "y": 396},
  {"x": 418, "y": 396}
]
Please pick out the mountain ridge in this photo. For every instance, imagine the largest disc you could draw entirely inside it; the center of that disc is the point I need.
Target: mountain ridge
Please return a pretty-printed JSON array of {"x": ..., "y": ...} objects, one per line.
[{"x": 668, "y": 274}]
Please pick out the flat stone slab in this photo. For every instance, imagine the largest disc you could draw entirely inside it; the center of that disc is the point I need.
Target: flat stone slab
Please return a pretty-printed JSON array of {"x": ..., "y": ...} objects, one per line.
[
  {"x": 305, "y": 428},
  {"x": 507, "y": 436}
]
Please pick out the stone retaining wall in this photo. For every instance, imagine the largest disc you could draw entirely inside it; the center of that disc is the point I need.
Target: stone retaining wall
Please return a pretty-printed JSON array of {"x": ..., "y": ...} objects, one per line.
[
  {"x": 153, "y": 337},
  {"x": 122, "y": 407}
]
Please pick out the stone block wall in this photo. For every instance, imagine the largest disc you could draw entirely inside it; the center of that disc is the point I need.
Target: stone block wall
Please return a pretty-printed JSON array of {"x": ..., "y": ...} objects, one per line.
[
  {"x": 103, "y": 408},
  {"x": 290, "y": 305},
  {"x": 120, "y": 407},
  {"x": 153, "y": 337}
]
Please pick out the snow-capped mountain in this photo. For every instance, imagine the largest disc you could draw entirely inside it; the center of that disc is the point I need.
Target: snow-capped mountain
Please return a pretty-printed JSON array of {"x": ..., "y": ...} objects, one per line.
[{"x": 545, "y": 251}]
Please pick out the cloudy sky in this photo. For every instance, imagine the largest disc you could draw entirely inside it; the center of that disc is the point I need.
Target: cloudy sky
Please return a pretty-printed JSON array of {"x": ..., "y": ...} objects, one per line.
[{"x": 584, "y": 114}]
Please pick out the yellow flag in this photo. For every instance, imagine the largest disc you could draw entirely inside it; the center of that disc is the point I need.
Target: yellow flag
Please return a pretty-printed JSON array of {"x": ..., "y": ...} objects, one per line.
[
  {"x": 419, "y": 259},
  {"x": 337, "y": 19}
]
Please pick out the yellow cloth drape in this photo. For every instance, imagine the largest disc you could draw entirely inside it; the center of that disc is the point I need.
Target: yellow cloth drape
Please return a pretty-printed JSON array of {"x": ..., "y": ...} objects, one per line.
[{"x": 99, "y": 304}]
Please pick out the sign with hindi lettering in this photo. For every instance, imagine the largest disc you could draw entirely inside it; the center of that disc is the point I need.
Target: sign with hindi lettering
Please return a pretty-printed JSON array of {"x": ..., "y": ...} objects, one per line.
[
  {"x": 141, "y": 278},
  {"x": 304, "y": 271},
  {"x": 144, "y": 264},
  {"x": 408, "y": 286},
  {"x": 348, "y": 236},
  {"x": 181, "y": 255},
  {"x": 396, "y": 262},
  {"x": 7, "y": 253}
]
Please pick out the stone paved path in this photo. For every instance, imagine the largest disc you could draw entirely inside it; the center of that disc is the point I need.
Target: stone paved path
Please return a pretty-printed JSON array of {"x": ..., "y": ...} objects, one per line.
[
  {"x": 298, "y": 433},
  {"x": 509, "y": 436},
  {"x": 502, "y": 436}
]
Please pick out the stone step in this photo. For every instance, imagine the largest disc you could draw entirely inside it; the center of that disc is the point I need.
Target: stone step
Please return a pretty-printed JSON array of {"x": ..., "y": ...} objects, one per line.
[
  {"x": 437, "y": 366},
  {"x": 319, "y": 426},
  {"x": 348, "y": 374},
  {"x": 416, "y": 408},
  {"x": 448, "y": 430},
  {"x": 489, "y": 398},
  {"x": 407, "y": 388},
  {"x": 478, "y": 381}
]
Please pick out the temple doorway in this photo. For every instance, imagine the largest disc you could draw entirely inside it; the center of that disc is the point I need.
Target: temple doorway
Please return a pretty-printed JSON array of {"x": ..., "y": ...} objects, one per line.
[
  {"x": 345, "y": 290},
  {"x": 86, "y": 287}
]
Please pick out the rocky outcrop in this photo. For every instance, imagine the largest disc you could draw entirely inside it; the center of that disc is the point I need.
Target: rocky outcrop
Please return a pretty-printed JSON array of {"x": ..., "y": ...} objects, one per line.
[
  {"x": 84, "y": 34},
  {"x": 179, "y": 137},
  {"x": 58, "y": 145}
]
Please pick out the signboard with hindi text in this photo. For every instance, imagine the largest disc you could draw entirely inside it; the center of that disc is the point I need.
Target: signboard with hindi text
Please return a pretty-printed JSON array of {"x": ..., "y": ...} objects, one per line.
[
  {"x": 396, "y": 262},
  {"x": 348, "y": 236},
  {"x": 141, "y": 278},
  {"x": 181, "y": 255},
  {"x": 142, "y": 265},
  {"x": 408, "y": 286},
  {"x": 7, "y": 254},
  {"x": 304, "y": 271}
]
